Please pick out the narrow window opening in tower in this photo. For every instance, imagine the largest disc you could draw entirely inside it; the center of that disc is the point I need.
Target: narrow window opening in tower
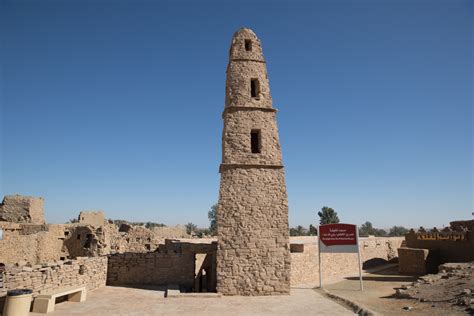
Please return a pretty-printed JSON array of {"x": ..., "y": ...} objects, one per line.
[
  {"x": 254, "y": 88},
  {"x": 255, "y": 141},
  {"x": 248, "y": 45}
]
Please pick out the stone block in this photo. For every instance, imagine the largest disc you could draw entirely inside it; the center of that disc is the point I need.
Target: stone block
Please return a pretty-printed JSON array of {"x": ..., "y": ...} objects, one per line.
[{"x": 412, "y": 261}]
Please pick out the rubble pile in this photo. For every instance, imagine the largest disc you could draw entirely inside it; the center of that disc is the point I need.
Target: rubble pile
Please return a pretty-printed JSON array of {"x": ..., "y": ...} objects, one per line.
[{"x": 454, "y": 284}]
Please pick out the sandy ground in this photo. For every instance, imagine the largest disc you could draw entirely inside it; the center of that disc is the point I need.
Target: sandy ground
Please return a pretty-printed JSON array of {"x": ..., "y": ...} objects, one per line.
[
  {"x": 379, "y": 295},
  {"x": 131, "y": 301}
]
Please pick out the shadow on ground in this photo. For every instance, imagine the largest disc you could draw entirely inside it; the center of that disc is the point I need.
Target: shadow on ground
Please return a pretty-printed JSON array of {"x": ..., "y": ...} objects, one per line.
[{"x": 384, "y": 279}]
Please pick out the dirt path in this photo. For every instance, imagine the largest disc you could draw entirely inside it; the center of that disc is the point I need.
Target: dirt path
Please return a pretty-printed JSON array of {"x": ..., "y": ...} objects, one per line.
[{"x": 379, "y": 295}]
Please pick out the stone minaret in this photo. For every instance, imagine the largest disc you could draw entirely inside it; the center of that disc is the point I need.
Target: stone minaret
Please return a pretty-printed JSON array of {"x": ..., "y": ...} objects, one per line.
[{"x": 253, "y": 256}]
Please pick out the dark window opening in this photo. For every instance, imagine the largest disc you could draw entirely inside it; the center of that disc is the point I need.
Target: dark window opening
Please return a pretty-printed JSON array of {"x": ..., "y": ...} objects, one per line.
[
  {"x": 248, "y": 45},
  {"x": 147, "y": 246},
  {"x": 296, "y": 247},
  {"x": 254, "y": 88},
  {"x": 78, "y": 236},
  {"x": 62, "y": 258},
  {"x": 255, "y": 141},
  {"x": 89, "y": 239}
]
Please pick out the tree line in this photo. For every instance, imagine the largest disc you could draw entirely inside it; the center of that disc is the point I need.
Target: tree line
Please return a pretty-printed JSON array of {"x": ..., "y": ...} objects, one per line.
[{"x": 328, "y": 215}]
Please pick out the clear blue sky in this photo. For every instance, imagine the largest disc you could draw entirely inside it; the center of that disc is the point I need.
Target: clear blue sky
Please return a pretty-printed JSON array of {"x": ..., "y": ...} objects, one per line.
[{"x": 116, "y": 105}]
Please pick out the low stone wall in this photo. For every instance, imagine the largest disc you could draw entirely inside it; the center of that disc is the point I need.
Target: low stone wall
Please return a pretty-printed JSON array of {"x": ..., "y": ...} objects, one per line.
[
  {"x": 151, "y": 268},
  {"x": 174, "y": 263},
  {"x": 305, "y": 261},
  {"x": 91, "y": 272}
]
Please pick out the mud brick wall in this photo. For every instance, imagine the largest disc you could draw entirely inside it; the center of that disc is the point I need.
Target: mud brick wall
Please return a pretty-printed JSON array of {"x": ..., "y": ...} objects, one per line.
[
  {"x": 173, "y": 263},
  {"x": 22, "y": 209},
  {"x": 30, "y": 243},
  {"x": 151, "y": 268},
  {"x": 445, "y": 250},
  {"x": 305, "y": 265}
]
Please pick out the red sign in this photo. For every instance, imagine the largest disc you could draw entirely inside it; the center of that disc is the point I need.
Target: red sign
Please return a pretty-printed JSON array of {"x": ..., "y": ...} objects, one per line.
[{"x": 338, "y": 234}]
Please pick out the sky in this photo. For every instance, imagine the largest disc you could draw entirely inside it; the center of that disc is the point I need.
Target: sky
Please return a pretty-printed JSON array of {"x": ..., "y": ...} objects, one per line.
[{"x": 116, "y": 106}]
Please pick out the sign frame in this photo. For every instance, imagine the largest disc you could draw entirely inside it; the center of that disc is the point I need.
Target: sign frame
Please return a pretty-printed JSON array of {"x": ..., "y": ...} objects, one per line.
[{"x": 339, "y": 247}]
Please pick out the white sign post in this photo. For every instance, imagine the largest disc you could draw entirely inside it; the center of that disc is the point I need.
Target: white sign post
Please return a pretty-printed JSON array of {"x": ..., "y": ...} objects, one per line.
[{"x": 338, "y": 238}]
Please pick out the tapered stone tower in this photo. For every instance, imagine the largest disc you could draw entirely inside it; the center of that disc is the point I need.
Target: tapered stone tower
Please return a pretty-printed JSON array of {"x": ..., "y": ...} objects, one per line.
[{"x": 253, "y": 256}]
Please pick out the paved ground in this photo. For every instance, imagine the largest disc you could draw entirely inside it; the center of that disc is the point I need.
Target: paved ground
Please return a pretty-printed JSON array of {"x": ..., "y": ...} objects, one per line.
[
  {"x": 130, "y": 301},
  {"x": 378, "y": 295}
]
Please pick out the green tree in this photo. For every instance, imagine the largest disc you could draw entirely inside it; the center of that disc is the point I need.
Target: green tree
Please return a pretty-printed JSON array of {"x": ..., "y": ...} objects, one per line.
[
  {"x": 190, "y": 228},
  {"x": 366, "y": 229},
  {"x": 212, "y": 215},
  {"x": 312, "y": 230},
  {"x": 202, "y": 232},
  {"x": 72, "y": 221},
  {"x": 151, "y": 225},
  {"x": 293, "y": 231},
  {"x": 301, "y": 230},
  {"x": 380, "y": 232},
  {"x": 328, "y": 216},
  {"x": 398, "y": 231}
]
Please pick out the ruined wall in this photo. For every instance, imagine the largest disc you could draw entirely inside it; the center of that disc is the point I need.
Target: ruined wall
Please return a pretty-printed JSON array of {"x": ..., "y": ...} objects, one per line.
[
  {"x": 93, "y": 218},
  {"x": 305, "y": 265},
  {"x": 48, "y": 277},
  {"x": 136, "y": 239},
  {"x": 15, "y": 247},
  {"x": 462, "y": 225},
  {"x": 31, "y": 243},
  {"x": 44, "y": 243},
  {"x": 170, "y": 232},
  {"x": 22, "y": 209},
  {"x": 444, "y": 246},
  {"x": 87, "y": 240},
  {"x": 173, "y": 263}
]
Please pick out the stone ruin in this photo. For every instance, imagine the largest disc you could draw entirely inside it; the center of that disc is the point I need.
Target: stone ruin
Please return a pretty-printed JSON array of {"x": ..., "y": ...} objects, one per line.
[
  {"x": 93, "y": 218},
  {"x": 425, "y": 250},
  {"x": 50, "y": 256},
  {"x": 22, "y": 209},
  {"x": 253, "y": 255},
  {"x": 452, "y": 286}
]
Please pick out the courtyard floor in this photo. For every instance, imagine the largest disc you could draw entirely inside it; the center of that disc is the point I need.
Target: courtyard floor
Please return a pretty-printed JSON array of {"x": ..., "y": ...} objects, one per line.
[{"x": 132, "y": 301}]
